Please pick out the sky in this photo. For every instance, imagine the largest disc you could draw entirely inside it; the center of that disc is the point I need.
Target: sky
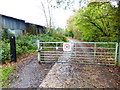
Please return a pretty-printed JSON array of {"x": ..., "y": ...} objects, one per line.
[{"x": 32, "y": 12}]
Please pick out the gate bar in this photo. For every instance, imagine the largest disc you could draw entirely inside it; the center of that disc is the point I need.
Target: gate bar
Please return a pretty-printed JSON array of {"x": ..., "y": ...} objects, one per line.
[
  {"x": 38, "y": 50},
  {"x": 83, "y": 42},
  {"x": 94, "y": 46},
  {"x": 116, "y": 55}
]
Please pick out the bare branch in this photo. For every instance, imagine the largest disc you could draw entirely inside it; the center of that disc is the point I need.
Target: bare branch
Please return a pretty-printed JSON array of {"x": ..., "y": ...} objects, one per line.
[{"x": 44, "y": 13}]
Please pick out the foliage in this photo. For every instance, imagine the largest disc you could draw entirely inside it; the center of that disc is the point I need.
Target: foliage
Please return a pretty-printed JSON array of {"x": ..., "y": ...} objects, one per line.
[
  {"x": 6, "y": 33},
  {"x": 70, "y": 4},
  {"x": 4, "y": 76},
  {"x": 58, "y": 34},
  {"x": 24, "y": 44},
  {"x": 95, "y": 23},
  {"x": 4, "y": 51},
  {"x": 28, "y": 44}
]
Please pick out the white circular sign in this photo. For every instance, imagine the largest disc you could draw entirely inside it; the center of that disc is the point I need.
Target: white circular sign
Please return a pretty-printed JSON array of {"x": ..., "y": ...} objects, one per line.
[{"x": 66, "y": 46}]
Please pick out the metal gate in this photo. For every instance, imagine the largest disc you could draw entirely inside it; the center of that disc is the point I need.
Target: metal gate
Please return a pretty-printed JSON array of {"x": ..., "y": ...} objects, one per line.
[{"x": 101, "y": 53}]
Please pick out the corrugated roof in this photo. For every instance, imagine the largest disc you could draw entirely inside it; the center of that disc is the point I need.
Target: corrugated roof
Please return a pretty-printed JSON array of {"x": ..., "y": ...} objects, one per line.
[
  {"x": 11, "y": 17},
  {"x": 20, "y": 20}
]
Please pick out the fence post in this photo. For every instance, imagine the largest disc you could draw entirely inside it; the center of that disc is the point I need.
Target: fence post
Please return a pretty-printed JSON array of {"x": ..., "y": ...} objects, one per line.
[
  {"x": 13, "y": 48},
  {"x": 38, "y": 43},
  {"x": 75, "y": 50},
  {"x": 116, "y": 53},
  {"x": 95, "y": 52},
  {"x": 119, "y": 54}
]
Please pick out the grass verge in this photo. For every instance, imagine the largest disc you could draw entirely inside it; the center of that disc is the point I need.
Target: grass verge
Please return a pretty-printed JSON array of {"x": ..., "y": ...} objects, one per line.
[{"x": 4, "y": 76}]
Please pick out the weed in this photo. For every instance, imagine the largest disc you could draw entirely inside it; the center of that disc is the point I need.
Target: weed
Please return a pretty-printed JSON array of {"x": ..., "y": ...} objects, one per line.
[{"x": 4, "y": 76}]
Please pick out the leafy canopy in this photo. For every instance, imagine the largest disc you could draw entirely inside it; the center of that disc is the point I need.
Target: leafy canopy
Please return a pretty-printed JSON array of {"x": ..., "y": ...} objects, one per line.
[{"x": 95, "y": 23}]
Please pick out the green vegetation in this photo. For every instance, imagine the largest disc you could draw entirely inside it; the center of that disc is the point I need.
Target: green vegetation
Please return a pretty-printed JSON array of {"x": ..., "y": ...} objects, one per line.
[
  {"x": 97, "y": 22},
  {"x": 24, "y": 44},
  {"x": 28, "y": 43},
  {"x": 6, "y": 33},
  {"x": 4, "y": 76}
]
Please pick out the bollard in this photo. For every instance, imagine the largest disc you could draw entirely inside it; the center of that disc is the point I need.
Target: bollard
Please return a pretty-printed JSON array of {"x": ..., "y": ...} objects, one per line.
[{"x": 13, "y": 49}]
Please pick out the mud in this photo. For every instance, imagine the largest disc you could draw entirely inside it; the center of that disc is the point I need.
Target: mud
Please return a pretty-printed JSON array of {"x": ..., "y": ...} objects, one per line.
[{"x": 29, "y": 74}]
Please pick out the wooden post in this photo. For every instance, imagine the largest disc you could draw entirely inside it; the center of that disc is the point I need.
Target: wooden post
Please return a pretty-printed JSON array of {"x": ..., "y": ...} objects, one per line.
[{"x": 13, "y": 48}]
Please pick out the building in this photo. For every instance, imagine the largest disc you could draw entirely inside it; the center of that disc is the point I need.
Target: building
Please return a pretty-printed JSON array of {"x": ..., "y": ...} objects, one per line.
[
  {"x": 34, "y": 28},
  {"x": 16, "y": 26},
  {"x": 19, "y": 27}
]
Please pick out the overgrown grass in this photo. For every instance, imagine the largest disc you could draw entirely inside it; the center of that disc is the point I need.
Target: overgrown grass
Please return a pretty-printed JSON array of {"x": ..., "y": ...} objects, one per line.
[{"x": 4, "y": 76}]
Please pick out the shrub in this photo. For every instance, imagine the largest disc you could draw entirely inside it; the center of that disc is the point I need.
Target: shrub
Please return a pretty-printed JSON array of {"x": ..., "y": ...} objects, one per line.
[
  {"x": 6, "y": 33},
  {"x": 28, "y": 44},
  {"x": 4, "y": 51}
]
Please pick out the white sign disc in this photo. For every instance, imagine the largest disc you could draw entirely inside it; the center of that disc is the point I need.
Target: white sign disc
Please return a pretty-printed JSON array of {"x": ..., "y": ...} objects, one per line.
[{"x": 66, "y": 46}]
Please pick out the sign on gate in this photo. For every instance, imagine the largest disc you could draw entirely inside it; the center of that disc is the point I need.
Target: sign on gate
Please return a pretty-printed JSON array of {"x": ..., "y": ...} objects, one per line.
[
  {"x": 66, "y": 46},
  {"x": 98, "y": 53}
]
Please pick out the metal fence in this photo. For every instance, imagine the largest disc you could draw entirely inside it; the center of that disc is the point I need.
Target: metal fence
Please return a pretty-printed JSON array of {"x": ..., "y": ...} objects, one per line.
[{"x": 102, "y": 53}]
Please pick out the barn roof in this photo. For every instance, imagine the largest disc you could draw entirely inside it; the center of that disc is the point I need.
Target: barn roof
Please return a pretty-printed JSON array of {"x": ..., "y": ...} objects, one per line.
[
  {"x": 11, "y": 17},
  {"x": 21, "y": 20}
]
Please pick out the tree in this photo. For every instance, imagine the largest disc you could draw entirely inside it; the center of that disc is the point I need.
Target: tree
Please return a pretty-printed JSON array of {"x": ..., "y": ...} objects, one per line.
[
  {"x": 68, "y": 4},
  {"x": 72, "y": 29},
  {"x": 47, "y": 10},
  {"x": 47, "y": 6},
  {"x": 96, "y": 22}
]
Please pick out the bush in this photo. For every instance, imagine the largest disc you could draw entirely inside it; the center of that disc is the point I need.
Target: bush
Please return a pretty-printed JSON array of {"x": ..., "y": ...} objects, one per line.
[
  {"x": 6, "y": 34},
  {"x": 27, "y": 44},
  {"x": 4, "y": 51}
]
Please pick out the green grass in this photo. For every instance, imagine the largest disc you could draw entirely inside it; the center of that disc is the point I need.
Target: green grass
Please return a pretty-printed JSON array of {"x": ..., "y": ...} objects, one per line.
[{"x": 4, "y": 76}]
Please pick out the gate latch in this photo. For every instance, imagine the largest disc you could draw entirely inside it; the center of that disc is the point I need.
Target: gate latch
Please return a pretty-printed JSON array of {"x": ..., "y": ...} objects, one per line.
[{"x": 38, "y": 50}]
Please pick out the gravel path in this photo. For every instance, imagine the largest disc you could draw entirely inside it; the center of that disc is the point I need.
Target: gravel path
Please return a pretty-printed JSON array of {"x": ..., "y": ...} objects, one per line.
[{"x": 80, "y": 76}]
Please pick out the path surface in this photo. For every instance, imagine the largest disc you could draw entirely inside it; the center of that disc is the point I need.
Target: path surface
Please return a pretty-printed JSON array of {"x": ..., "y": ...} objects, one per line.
[
  {"x": 30, "y": 74},
  {"x": 59, "y": 73},
  {"x": 66, "y": 75}
]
